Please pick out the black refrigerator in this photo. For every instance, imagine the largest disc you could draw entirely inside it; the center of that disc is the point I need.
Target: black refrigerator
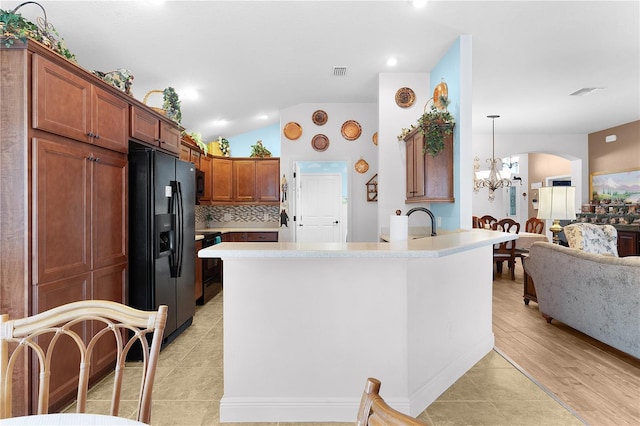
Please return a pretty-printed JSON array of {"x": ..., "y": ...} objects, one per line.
[{"x": 162, "y": 236}]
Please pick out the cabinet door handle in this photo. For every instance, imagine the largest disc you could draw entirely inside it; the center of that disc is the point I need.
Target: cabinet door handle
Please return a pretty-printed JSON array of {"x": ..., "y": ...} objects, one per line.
[{"x": 91, "y": 135}]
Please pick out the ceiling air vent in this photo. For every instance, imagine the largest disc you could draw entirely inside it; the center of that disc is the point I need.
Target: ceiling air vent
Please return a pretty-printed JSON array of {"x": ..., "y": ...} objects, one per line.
[{"x": 339, "y": 71}]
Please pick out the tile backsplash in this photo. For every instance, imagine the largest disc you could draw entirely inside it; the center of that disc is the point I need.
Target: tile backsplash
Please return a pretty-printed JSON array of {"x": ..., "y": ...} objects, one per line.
[{"x": 249, "y": 214}]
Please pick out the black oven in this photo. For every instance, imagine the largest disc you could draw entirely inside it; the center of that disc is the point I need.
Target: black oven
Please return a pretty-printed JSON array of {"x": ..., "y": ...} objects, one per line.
[{"x": 211, "y": 269}]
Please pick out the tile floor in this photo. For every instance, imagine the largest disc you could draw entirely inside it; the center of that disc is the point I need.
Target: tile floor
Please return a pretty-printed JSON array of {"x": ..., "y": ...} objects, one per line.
[{"x": 189, "y": 386}]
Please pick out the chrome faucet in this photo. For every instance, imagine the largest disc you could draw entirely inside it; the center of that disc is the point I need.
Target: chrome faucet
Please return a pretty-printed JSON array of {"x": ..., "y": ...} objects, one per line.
[{"x": 427, "y": 211}]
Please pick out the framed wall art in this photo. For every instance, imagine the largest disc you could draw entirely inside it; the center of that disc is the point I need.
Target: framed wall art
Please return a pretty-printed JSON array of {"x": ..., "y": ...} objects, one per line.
[{"x": 615, "y": 187}]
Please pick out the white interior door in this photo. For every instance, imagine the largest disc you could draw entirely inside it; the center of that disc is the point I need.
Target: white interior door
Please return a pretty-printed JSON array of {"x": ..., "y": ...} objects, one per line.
[{"x": 318, "y": 208}]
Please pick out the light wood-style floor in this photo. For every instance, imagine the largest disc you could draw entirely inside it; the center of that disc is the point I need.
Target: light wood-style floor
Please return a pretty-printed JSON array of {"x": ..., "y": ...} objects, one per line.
[{"x": 601, "y": 384}]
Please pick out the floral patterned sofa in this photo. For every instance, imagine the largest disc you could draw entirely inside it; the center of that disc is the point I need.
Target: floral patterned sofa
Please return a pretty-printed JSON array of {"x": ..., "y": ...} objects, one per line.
[
  {"x": 597, "y": 294},
  {"x": 600, "y": 239}
]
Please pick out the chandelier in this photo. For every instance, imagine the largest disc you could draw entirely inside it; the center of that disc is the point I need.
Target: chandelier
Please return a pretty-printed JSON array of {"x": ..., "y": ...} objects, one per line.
[{"x": 494, "y": 180}]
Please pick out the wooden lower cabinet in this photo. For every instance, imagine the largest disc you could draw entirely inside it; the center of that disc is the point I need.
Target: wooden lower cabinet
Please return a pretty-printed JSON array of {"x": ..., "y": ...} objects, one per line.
[
  {"x": 66, "y": 361},
  {"x": 199, "y": 287},
  {"x": 107, "y": 284},
  {"x": 253, "y": 237},
  {"x": 628, "y": 243}
]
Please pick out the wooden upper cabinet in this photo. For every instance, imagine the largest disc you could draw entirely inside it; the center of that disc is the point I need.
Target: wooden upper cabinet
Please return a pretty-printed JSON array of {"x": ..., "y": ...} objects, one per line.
[
  {"x": 145, "y": 126},
  {"x": 148, "y": 128},
  {"x": 62, "y": 208},
  {"x": 169, "y": 137},
  {"x": 190, "y": 153},
  {"x": 185, "y": 153},
  {"x": 429, "y": 179},
  {"x": 110, "y": 120},
  {"x": 68, "y": 105},
  {"x": 221, "y": 180},
  {"x": 206, "y": 167},
  {"x": 268, "y": 180},
  {"x": 415, "y": 166},
  {"x": 244, "y": 180},
  {"x": 109, "y": 197},
  {"x": 80, "y": 207}
]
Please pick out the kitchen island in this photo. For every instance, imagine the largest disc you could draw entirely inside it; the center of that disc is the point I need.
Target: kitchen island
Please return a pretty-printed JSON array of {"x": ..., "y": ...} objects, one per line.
[{"x": 306, "y": 324}]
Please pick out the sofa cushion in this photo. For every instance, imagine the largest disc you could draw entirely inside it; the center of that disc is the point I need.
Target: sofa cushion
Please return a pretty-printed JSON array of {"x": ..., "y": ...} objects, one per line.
[{"x": 599, "y": 239}]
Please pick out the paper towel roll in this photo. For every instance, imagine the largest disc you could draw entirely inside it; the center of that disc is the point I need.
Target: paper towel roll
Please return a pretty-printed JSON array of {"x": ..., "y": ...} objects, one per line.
[{"x": 398, "y": 228}]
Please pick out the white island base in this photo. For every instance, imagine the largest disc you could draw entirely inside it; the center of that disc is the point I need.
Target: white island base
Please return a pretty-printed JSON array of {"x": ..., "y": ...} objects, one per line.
[{"x": 304, "y": 326}]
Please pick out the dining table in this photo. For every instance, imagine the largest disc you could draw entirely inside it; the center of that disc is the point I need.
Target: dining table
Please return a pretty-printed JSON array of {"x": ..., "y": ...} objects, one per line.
[
  {"x": 69, "y": 419},
  {"x": 525, "y": 239}
]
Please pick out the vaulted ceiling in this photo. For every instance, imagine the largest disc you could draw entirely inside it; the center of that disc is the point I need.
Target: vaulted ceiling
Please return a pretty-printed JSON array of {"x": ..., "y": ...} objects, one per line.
[{"x": 253, "y": 58}]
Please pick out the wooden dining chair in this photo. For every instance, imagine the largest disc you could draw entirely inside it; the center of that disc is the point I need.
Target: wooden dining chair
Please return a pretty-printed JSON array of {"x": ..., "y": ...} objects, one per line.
[
  {"x": 534, "y": 225},
  {"x": 506, "y": 251},
  {"x": 374, "y": 411},
  {"x": 101, "y": 320},
  {"x": 487, "y": 221}
]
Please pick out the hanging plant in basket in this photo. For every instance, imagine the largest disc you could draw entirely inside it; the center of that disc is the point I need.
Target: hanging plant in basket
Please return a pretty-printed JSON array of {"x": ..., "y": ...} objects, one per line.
[
  {"x": 435, "y": 125},
  {"x": 171, "y": 104}
]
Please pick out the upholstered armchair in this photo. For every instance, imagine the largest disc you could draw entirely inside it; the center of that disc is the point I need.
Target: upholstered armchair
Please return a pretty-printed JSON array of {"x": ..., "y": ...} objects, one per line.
[{"x": 599, "y": 239}]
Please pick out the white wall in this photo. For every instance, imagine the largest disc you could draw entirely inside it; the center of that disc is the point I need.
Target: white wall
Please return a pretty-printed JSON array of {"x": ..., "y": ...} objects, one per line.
[
  {"x": 391, "y": 152},
  {"x": 363, "y": 214},
  {"x": 573, "y": 147}
]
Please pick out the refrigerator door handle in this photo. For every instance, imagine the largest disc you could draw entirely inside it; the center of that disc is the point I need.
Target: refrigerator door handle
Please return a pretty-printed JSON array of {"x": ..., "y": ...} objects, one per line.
[
  {"x": 173, "y": 211},
  {"x": 180, "y": 230}
]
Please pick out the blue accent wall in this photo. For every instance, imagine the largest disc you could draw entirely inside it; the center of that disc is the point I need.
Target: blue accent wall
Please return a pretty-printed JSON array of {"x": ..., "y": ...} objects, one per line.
[
  {"x": 270, "y": 136},
  {"x": 448, "y": 70}
]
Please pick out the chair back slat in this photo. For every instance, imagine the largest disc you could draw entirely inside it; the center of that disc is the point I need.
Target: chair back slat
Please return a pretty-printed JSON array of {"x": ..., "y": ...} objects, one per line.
[
  {"x": 506, "y": 251},
  {"x": 42, "y": 333},
  {"x": 375, "y": 411},
  {"x": 534, "y": 225},
  {"x": 487, "y": 221}
]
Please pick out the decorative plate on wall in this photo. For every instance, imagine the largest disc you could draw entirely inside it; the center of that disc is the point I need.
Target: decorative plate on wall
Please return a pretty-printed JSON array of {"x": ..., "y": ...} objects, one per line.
[
  {"x": 441, "y": 91},
  {"x": 361, "y": 166},
  {"x": 351, "y": 130},
  {"x": 319, "y": 117},
  {"x": 292, "y": 130},
  {"x": 374, "y": 138},
  {"x": 320, "y": 142},
  {"x": 405, "y": 97}
]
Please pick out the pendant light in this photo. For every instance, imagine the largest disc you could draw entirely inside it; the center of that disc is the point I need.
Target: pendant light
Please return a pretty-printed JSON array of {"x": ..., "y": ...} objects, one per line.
[{"x": 494, "y": 180}]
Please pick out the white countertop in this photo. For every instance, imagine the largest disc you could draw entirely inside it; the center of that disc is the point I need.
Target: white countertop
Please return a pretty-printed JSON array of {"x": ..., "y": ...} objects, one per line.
[{"x": 439, "y": 246}]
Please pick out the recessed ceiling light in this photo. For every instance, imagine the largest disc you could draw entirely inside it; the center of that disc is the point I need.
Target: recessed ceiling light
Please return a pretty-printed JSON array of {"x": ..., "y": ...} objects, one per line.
[
  {"x": 220, "y": 122},
  {"x": 585, "y": 91},
  {"x": 392, "y": 62},
  {"x": 263, "y": 117},
  {"x": 188, "y": 94},
  {"x": 419, "y": 3}
]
